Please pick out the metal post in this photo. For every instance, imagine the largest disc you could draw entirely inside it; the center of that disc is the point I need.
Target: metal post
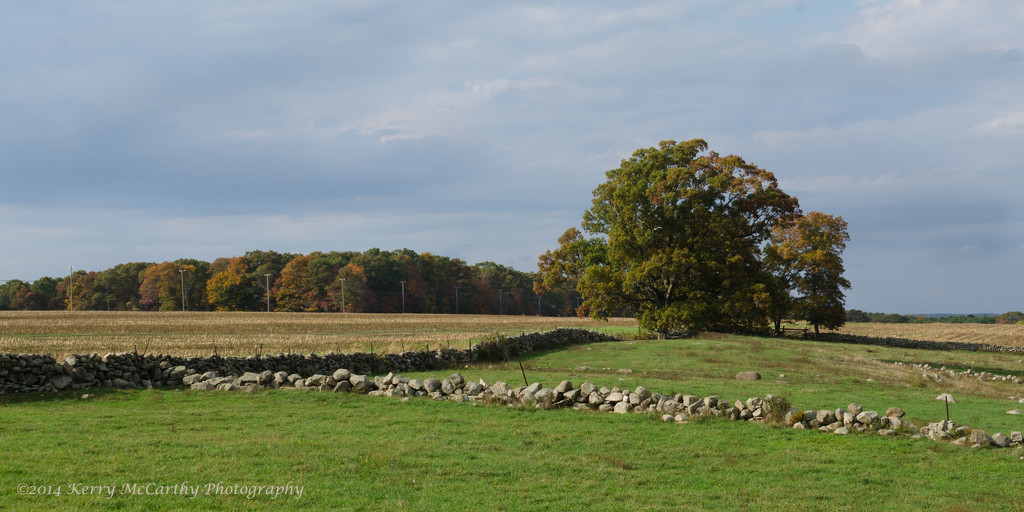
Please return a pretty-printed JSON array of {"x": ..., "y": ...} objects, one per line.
[
  {"x": 403, "y": 296},
  {"x": 501, "y": 296},
  {"x": 456, "y": 299}
]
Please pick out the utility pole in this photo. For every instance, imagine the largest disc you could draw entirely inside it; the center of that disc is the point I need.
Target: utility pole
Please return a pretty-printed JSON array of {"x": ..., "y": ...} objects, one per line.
[
  {"x": 342, "y": 294},
  {"x": 267, "y": 276},
  {"x": 71, "y": 287},
  {"x": 403, "y": 296},
  {"x": 538, "y": 304},
  {"x": 456, "y": 299},
  {"x": 182, "y": 272}
]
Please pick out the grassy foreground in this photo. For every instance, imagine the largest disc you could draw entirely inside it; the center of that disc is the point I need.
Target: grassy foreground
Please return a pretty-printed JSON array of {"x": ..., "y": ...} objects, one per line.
[{"x": 353, "y": 452}]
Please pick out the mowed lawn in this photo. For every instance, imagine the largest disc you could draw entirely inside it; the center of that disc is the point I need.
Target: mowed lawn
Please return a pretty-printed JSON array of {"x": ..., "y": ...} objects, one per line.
[{"x": 354, "y": 452}]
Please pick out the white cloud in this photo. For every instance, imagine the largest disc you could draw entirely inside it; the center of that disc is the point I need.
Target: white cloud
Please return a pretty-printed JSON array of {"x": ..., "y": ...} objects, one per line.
[{"x": 1006, "y": 123}]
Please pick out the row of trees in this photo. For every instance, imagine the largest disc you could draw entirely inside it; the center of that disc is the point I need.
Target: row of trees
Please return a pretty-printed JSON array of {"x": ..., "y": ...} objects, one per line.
[
  {"x": 681, "y": 237},
  {"x": 1011, "y": 317},
  {"x": 374, "y": 281}
]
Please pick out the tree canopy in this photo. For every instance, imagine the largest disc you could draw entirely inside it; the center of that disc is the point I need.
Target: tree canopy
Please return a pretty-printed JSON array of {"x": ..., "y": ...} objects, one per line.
[{"x": 677, "y": 238}]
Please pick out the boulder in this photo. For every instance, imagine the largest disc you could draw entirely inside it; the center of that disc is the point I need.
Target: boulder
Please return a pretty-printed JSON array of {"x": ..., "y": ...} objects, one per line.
[
  {"x": 457, "y": 380},
  {"x": 192, "y": 379},
  {"x": 587, "y": 388},
  {"x": 249, "y": 378},
  {"x": 748, "y": 376},
  {"x": 894, "y": 412},
  {"x": 341, "y": 374},
  {"x": 360, "y": 383},
  {"x": 1000, "y": 440},
  {"x": 432, "y": 384},
  {"x": 867, "y": 417},
  {"x": 854, "y": 409},
  {"x": 614, "y": 397},
  {"x": 61, "y": 382},
  {"x": 623, "y": 408},
  {"x": 563, "y": 387}
]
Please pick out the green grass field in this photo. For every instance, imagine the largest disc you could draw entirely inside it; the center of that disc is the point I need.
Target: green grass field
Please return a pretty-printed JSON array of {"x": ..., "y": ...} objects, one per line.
[{"x": 353, "y": 452}]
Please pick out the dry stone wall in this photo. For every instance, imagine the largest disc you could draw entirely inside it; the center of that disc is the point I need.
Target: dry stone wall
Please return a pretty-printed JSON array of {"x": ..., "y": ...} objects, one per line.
[
  {"x": 907, "y": 343},
  {"x": 33, "y": 372},
  {"x": 680, "y": 408}
]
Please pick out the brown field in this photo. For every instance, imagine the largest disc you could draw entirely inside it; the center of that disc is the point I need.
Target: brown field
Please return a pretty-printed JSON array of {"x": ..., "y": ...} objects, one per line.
[
  {"x": 62, "y": 333},
  {"x": 995, "y": 334}
]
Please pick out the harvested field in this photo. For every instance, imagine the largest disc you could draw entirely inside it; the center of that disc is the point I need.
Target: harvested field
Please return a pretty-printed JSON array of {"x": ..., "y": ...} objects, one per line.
[
  {"x": 996, "y": 334},
  {"x": 62, "y": 333}
]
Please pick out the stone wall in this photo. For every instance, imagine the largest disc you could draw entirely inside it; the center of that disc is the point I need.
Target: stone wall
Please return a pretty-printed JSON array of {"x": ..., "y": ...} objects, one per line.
[
  {"x": 907, "y": 343},
  {"x": 679, "y": 407},
  {"x": 32, "y": 372}
]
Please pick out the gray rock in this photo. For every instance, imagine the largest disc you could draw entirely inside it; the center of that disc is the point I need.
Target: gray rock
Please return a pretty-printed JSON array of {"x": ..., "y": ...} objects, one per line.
[
  {"x": 203, "y": 385},
  {"x": 360, "y": 383},
  {"x": 531, "y": 390},
  {"x": 342, "y": 386},
  {"x": 1000, "y": 440},
  {"x": 120, "y": 383},
  {"x": 447, "y": 386},
  {"x": 61, "y": 382},
  {"x": 563, "y": 387},
  {"x": 978, "y": 436},
  {"x": 688, "y": 400},
  {"x": 623, "y": 407},
  {"x": 575, "y": 395},
  {"x": 192, "y": 379},
  {"x": 826, "y": 417},
  {"x": 501, "y": 389},
  {"x": 432, "y": 385},
  {"x": 315, "y": 380},
  {"x": 249, "y": 378},
  {"x": 178, "y": 372},
  {"x": 457, "y": 380},
  {"x": 614, "y": 397},
  {"x": 595, "y": 398},
  {"x": 341, "y": 374},
  {"x": 587, "y": 388},
  {"x": 842, "y": 431},
  {"x": 894, "y": 412},
  {"x": 748, "y": 376},
  {"x": 643, "y": 393},
  {"x": 711, "y": 401},
  {"x": 854, "y": 409},
  {"x": 868, "y": 417},
  {"x": 473, "y": 388}
]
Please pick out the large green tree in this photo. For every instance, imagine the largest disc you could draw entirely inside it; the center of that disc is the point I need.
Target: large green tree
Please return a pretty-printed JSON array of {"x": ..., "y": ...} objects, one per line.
[
  {"x": 681, "y": 230},
  {"x": 809, "y": 250}
]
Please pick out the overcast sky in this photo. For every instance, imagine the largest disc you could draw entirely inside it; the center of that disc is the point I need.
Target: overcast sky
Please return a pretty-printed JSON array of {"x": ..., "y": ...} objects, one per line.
[{"x": 151, "y": 131}]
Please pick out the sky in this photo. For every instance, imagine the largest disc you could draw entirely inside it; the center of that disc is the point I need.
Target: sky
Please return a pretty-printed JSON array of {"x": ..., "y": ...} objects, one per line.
[{"x": 159, "y": 130}]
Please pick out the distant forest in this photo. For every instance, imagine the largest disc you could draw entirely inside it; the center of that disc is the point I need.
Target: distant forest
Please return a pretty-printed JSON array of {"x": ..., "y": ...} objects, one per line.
[
  {"x": 856, "y": 315},
  {"x": 374, "y": 281}
]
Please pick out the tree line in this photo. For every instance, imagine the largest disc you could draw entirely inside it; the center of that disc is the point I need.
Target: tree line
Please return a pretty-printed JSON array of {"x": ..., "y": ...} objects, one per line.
[
  {"x": 374, "y": 281},
  {"x": 1010, "y": 317}
]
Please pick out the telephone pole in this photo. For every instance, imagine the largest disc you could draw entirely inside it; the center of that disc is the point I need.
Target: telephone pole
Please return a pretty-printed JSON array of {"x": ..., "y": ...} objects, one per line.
[
  {"x": 71, "y": 287},
  {"x": 342, "y": 294},
  {"x": 182, "y": 272},
  {"x": 267, "y": 276}
]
